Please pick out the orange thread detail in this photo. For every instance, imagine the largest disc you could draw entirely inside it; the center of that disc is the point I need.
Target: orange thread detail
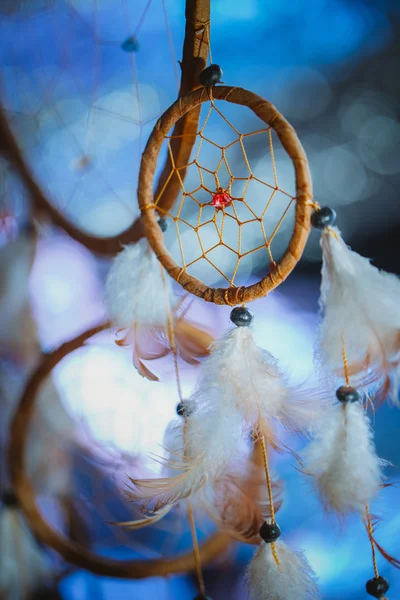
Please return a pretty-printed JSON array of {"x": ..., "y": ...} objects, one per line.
[{"x": 209, "y": 181}]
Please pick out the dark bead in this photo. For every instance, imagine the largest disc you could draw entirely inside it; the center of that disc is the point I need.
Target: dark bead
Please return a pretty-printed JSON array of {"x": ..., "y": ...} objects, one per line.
[
  {"x": 323, "y": 217},
  {"x": 9, "y": 499},
  {"x": 184, "y": 409},
  {"x": 211, "y": 75},
  {"x": 347, "y": 393},
  {"x": 377, "y": 587},
  {"x": 241, "y": 316},
  {"x": 270, "y": 532},
  {"x": 130, "y": 44},
  {"x": 163, "y": 225}
]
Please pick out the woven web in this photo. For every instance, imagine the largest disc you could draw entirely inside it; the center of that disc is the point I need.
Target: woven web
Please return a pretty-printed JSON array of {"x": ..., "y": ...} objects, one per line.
[
  {"x": 80, "y": 106},
  {"x": 219, "y": 241}
]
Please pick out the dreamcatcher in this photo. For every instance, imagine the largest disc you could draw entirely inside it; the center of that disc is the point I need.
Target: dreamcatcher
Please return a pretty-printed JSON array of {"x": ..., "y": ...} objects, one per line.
[
  {"x": 241, "y": 390},
  {"x": 242, "y": 393}
]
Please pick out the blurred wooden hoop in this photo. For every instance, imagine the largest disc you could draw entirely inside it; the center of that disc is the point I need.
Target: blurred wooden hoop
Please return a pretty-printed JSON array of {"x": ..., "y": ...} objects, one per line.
[
  {"x": 289, "y": 140},
  {"x": 74, "y": 554}
]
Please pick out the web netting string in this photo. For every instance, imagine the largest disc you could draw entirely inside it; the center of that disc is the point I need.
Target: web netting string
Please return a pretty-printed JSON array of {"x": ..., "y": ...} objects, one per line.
[
  {"x": 227, "y": 211},
  {"x": 76, "y": 166}
]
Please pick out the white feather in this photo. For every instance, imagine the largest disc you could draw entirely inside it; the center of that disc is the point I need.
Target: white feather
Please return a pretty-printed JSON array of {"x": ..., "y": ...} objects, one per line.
[
  {"x": 294, "y": 579},
  {"x": 23, "y": 565},
  {"x": 213, "y": 438},
  {"x": 360, "y": 306},
  {"x": 343, "y": 461},
  {"x": 135, "y": 288},
  {"x": 240, "y": 388},
  {"x": 248, "y": 379}
]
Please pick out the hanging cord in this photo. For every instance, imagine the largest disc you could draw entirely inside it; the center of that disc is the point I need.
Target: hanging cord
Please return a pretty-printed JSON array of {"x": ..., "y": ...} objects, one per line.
[
  {"x": 345, "y": 363},
  {"x": 270, "y": 495},
  {"x": 171, "y": 334},
  {"x": 371, "y": 539},
  {"x": 367, "y": 512},
  {"x": 208, "y": 27}
]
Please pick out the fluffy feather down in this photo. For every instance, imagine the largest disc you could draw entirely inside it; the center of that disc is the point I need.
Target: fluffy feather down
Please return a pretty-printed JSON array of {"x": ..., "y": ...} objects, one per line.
[
  {"x": 211, "y": 441},
  {"x": 137, "y": 299},
  {"x": 343, "y": 461},
  {"x": 134, "y": 288},
  {"x": 361, "y": 308},
  {"x": 294, "y": 579},
  {"x": 23, "y": 565},
  {"x": 240, "y": 389},
  {"x": 248, "y": 379}
]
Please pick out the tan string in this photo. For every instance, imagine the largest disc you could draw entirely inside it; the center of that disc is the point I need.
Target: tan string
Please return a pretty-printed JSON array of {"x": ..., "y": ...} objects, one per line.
[
  {"x": 270, "y": 495},
  {"x": 371, "y": 539},
  {"x": 171, "y": 334},
  {"x": 367, "y": 512},
  {"x": 196, "y": 552},
  {"x": 345, "y": 363}
]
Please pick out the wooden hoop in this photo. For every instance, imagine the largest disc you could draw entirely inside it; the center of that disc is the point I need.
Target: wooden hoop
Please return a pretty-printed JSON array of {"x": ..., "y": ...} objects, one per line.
[
  {"x": 289, "y": 140},
  {"x": 70, "y": 551}
]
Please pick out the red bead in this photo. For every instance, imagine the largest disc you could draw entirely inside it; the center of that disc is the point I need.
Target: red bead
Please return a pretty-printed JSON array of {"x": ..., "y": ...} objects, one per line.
[{"x": 221, "y": 199}]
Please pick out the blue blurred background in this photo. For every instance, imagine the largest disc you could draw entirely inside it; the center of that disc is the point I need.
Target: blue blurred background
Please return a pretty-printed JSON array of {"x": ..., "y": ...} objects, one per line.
[{"x": 82, "y": 109}]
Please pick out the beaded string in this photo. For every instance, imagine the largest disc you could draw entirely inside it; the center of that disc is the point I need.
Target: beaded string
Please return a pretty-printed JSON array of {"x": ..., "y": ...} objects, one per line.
[
  {"x": 371, "y": 539},
  {"x": 270, "y": 495},
  {"x": 171, "y": 334},
  {"x": 367, "y": 511},
  {"x": 242, "y": 317}
]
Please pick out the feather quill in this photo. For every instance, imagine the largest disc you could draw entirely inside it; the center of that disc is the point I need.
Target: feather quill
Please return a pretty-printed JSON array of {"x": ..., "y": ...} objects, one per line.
[
  {"x": 360, "y": 306},
  {"x": 343, "y": 461},
  {"x": 23, "y": 565},
  {"x": 293, "y": 579}
]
